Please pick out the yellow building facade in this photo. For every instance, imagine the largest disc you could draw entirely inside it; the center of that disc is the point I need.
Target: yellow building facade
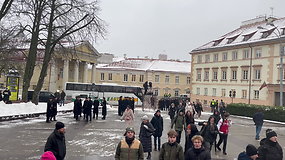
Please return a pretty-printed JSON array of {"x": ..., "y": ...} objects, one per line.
[{"x": 245, "y": 61}]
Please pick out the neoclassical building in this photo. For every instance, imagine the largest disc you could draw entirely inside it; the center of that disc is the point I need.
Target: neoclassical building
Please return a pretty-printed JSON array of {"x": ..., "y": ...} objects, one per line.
[
  {"x": 75, "y": 63},
  {"x": 241, "y": 61},
  {"x": 167, "y": 76}
]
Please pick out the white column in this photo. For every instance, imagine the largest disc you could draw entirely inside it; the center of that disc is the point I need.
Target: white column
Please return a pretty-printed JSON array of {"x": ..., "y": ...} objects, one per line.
[
  {"x": 93, "y": 76},
  {"x": 65, "y": 72},
  {"x": 76, "y": 71},
  {"x": 53, "y": 77},
  {"x": 85, "y": 72}
]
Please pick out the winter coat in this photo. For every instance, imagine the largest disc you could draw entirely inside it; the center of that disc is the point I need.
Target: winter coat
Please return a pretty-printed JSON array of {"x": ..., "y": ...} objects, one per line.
[
  {"x": 77, "y": 107},
  {"x": 54, "y": 108},
  {"x": 179, "y": 122},
  {"x": 6, "y": 95},
  {"x": 62, "y": 95},
  {"x": 132, "y": 152},
  {"x": 270, "y": 151},
  {"x": 188, "y": 142},
  {"x": 197, "y": 154},
  {"x": 171, "y": 152},
  {"x": 49, "y": 108},
  {"x": 96, "y": 106},
  {"x": 189, "y": 120},
  {"x": 209, "y": 133},
  {"x": 243, "y": 156},
  {"x": 157, "y": 122},
  {"x": 87, "y": 107},
  {"x": 104, "y": 107},
  {"x": 128, "y": 115},
  {"x": 224, "y": 125},
  {"x": 145, "y": 136},
  {"x": 258, "y": 118},
  {"x": 56, "y": 144},
  {"x": 171, "y": 112}
]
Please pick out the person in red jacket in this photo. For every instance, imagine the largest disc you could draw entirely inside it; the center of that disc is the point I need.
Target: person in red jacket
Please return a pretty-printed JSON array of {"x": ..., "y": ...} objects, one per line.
[{"x": 223, "y": 127}]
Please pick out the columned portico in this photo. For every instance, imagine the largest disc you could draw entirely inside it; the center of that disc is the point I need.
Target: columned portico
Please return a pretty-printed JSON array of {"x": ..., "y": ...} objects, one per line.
[
  {"x": 93, "y": 75},
  {"x": 76, "y": 71},
  {"x": 53, "y": 77},
  {"x": 65, "y": 72},
  {"x": 85, "y": 72}
]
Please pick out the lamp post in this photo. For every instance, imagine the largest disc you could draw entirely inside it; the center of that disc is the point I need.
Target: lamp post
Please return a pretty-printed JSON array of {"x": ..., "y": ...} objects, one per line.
[{"x": 281, "y": 60}]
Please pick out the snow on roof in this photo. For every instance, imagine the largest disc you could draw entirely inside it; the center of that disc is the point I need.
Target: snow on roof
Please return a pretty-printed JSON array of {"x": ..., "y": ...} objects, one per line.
[
  {"x": 149, "y": 64},
  {"x": 254, "y": 30}
]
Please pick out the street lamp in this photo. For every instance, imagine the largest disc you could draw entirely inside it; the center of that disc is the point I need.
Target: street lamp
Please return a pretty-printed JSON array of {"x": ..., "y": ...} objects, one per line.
[{"x": 281, "y": 59}]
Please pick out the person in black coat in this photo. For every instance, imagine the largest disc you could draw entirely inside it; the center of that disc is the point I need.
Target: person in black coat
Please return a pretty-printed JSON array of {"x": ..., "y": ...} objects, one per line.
[
  {"x": 77, "y": 108},
  {"x": 258, "y": 121},
  {"x": 191, "y": 131},
  {"x": 49, "y": 109},
  {"x": 6, "y": 95},
  {"x": 56, "y": 142},
  {"x": 104, "y": 108},
  {"x": 171, "y": 112},
  {"x": 197, "y": 152},
  {"x": 54, "y": 109},
  {"x": 96, "y": 108},
  {"x": 209, "y": 133},
  {"x": 88, "y": 107},
  {"x": 157, "y": 122},
  {"x": 120, "y": 106},
  {"x": 146, "y": 130}
]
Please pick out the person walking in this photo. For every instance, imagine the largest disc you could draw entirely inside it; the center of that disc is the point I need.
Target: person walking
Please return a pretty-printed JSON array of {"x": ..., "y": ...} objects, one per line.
[
  {"x": 223, "y": 127},
  {"x": 199, "y": 109},
  {"x": 191, "y": 131},
  {"x": 270, "y": 149},
  {"x": 87, "y": 108},
  {"x": 128, "y": 116},
  {"x": 171, "y": 112},
  {"x": 157, "y": 122},
  {"x": 104, "y": 108},
  {"x": 258, "y": 121},
  {"x": 197, "y": 152},
  {"x": 96, "y": 108},
  {"x": 62, "y": 98},
  {"x": 120, "y": 106},
  {"x": 209, "y": 133},
  {"x": 171, "y": 150},
  {"x": 77, "y": 108},
  {"x": 129, "y": 148},
  {"x": 49, "y": 109},
  {"x": 146, "y": 131},
  {"x": 179, "y": 123},
  {"x": 53, "y": 109},
  {"x": 249, "y": 154},
  {"x": 56, "y": 142}
]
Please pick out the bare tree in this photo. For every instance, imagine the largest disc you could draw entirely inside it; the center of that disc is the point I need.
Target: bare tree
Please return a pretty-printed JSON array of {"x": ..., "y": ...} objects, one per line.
[{"x": 5, "y": 8}]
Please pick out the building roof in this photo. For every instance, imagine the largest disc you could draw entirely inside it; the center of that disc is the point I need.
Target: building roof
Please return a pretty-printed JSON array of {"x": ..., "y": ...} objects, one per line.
[
  {"x": 251, "y": 31},
  {"x": 142, "y": 64}
]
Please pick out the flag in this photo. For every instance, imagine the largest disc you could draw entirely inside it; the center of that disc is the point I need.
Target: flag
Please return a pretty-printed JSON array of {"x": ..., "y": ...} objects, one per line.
[{"x": 263, "y": 85}]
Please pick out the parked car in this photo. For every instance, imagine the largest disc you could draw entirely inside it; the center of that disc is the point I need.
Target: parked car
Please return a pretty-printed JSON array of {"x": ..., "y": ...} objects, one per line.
[{"x": 43, "y": 96}]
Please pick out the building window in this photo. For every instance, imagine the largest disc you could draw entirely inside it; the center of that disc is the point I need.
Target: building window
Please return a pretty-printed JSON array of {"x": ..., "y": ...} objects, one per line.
[
  {"x": 205, "y": 91},
  {"x": 225, "y": 56},
  {"x": 234, "y": 55},
  {"x": 258, "y": 53},
  {"x": 188, "y": 80},
  {"x": 199, "y": 60},
  {"x": 141, "y": 78},
  {"x": 215, "y": 75},
  {"x": 199, "y": 75},
  {"x": 245, "y": 74},
  {"x": 223, "y": 92},
  {"x": 156, "y": 78},
  {"x": 198, "y": 91},
  {"x": 133, "y": 78},
  {"x": 125, "y": 77},
  {"x": 167, "y": 79},
  {"x": 206, "y": 76},
  {"x": 224, "y": 75},
  {"x": 110, "y": 76},
  {"x": 102, "y": 76},
  {"x": 156, "y": 92},
  {"x": 216, "y": 57},
  {"x": 257, "y": 73},
  {"x": 214, "y": 91},
  {"x": 207, "y": 58},
  {"x": 256, "y": 94},
  {"x": 234, "y": 75},
  {"x": 244, "y": 94},
  {"x": 245, "y": 54},
  {"x": 177, "y": 79},
  {"x": 176, "y": 93}
]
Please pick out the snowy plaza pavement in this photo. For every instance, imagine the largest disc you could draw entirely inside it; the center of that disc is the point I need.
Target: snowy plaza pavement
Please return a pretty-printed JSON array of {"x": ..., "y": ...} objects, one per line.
[{"x": 97, "y": 140}]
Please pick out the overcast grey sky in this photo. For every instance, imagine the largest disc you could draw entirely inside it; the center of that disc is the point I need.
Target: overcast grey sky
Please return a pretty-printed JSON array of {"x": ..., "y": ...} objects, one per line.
[{"x": 174, "y": 27}]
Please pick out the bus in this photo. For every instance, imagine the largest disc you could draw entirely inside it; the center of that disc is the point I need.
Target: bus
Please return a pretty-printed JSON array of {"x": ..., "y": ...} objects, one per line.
[{"x": 111, "y": 92}]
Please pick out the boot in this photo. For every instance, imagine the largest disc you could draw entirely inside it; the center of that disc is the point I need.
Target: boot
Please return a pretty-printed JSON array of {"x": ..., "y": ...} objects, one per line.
[{"x": 148, "y": 156}]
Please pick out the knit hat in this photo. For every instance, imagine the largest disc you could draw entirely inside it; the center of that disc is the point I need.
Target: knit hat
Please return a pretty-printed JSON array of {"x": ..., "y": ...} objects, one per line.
[
  {"x": 59, "y": 125},
  {"x": 189, "y": 126},
  {"x": 129, "y": 129},
  {"x": 48, "y": 156},
  {"x": 145, "y": 117},
  {"x": 270, "y": 134},
  {"x": 251, "y": 150}
]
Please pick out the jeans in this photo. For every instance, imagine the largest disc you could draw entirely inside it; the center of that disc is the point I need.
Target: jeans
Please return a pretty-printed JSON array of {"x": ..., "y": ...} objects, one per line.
[
  {"x": 223, "y": 139},
  {"x": 258, "y": 129}
]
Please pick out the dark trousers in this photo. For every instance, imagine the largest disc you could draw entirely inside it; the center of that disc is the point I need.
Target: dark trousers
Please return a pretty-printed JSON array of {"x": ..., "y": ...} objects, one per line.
[
  {"x": 88, "y": 115},
  {"x": 178, "y": 136},
  {"x": 223, "y": 139},
  {"x": 95, "y": 113},
  {"x": 157, "y": 145}
]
